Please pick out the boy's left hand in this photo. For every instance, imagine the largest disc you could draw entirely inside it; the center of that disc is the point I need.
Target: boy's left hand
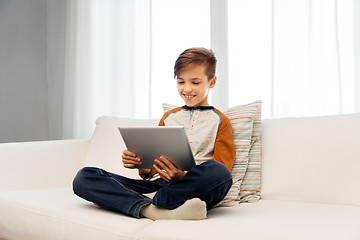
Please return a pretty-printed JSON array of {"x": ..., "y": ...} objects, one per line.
[{"x": 167, "y": 170}]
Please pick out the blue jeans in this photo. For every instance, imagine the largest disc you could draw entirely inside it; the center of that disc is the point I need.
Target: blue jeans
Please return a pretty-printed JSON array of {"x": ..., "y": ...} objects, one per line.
[{"x": 209, "y": 181}]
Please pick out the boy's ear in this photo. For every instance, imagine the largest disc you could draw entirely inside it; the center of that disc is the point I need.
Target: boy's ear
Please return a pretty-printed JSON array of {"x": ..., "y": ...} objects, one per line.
[{"x": 213, "y": 82}]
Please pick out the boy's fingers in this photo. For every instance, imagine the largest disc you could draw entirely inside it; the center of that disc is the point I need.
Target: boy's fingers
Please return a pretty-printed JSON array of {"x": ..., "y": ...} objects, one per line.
[
  {"x": 132, "y": 156},
  {"x": 128, "y": 153},
  {"x": 163, "y": 174},
  {"x": 168, "y": 163},
  {"x": 129, "y": 165},
  {"x": 131, "y": 162},
  {"x": 162, "y": 164}
]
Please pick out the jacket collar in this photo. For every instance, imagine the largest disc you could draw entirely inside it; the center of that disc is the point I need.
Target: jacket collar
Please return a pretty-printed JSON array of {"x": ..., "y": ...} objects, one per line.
[{"x": 199, "y": 108}]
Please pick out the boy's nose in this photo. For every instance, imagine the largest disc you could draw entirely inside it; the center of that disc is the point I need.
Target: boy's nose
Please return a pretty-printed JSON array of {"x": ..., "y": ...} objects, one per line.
[{"x": 187, "y": 89}]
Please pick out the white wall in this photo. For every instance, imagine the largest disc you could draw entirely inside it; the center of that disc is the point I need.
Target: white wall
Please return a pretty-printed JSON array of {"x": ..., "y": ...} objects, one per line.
[{"x": 23, "y": 70}]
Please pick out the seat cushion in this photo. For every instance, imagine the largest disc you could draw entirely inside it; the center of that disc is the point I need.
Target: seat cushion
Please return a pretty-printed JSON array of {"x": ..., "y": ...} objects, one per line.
[
  {"x": 267, "y": 219},
  {"x": 60, "y": 214}
]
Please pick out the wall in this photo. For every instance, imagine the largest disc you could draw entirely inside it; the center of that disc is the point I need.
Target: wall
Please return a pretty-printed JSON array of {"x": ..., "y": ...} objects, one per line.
[
  {"x": 56, "y": 32},
  {"x": 23, "y": 70}
]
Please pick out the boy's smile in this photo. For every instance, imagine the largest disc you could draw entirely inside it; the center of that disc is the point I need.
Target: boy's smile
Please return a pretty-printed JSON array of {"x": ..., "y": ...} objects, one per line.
[{"x": 193, "y": 86}]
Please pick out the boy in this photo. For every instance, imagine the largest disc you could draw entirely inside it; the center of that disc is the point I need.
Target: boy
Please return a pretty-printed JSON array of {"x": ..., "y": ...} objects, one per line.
[{"x": 179, "y": 194}]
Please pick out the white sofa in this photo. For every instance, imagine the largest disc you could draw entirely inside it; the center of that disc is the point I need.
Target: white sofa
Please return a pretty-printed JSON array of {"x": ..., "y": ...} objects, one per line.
[{"x": 310, "y": 190}]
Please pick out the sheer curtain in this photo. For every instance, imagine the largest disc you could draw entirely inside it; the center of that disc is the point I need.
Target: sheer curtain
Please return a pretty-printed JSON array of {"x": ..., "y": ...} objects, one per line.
[
  {"x": 176, "y": 26},
  {"x": 300, "y": 57},
  {"x": 107, "y": 52},
  {"x": 120, "y": 56}
]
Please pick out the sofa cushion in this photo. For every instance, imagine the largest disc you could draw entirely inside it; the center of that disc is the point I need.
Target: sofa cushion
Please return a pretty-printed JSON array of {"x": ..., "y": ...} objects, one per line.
[
  {"x": 314, "y": 159},
  {"x": 246, "y": 125},
  {"x": 106, "y": 144},
  {"x": 266, "y": 219},
  {"x": 60, "y": 214}
]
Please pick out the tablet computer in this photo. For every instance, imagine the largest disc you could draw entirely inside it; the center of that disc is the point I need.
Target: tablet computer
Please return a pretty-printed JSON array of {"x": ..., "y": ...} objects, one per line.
[{"x": 149, "y": 143}]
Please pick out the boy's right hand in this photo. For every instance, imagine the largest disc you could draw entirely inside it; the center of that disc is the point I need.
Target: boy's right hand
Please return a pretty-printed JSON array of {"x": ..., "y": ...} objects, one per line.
[{"x": 130, "y": 160}]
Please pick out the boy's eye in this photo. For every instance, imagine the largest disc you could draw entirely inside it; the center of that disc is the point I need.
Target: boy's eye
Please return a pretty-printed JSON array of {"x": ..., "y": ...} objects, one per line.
[
  {"x": 196, "y": 83},
  {"x": 180, "y": 82}
]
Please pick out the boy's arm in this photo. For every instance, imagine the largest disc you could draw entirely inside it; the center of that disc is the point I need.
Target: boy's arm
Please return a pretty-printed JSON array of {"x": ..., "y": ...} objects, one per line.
[{"x": 224, "y": 149}]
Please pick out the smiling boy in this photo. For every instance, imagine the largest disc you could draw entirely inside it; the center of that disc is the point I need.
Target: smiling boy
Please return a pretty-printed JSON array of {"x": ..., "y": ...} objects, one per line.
[
  {"x": 179, "y": 194},
  {"x": 193, "y": 85}
]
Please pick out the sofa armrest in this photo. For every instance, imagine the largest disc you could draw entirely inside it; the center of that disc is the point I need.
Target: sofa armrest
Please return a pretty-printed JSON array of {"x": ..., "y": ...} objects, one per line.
[{"x": 43, "y": 164}]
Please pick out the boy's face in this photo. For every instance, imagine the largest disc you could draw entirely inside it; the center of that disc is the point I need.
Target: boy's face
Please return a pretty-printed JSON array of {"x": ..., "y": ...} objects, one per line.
[{"x": 193, "y": 86}]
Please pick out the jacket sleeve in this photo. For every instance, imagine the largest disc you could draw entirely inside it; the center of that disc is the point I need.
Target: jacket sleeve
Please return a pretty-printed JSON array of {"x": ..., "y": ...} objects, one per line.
[
  {"x": 224, "y": 149},
  {"x": 147, "y": 176}
]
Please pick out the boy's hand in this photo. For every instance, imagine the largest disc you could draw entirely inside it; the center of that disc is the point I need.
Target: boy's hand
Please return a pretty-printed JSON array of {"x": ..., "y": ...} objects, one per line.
[
  {"x": 130, "y": 160},
  {"x": 167, "y": 170}
]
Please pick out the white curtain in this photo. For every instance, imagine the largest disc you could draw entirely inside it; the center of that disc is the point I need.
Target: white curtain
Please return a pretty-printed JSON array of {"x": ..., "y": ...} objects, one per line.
[
  {"x": 297, "y": 56},
  {"x": 313, "y": 58},
  {"x": 107, "y": 51},
  {"x": 300, "y": 57},
  {"x": 120, "y": 56}
]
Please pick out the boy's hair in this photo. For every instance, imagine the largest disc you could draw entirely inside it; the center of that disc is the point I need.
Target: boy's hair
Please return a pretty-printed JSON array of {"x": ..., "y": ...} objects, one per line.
[{"x": 196, "y": 56}]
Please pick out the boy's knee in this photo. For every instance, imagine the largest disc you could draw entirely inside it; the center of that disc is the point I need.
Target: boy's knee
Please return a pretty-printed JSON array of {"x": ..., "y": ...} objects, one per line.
[
  {"x": 217, "y": 170},
  {"x": 212, "y": 173},
  {"x": 218, "y": 175},
  {"x": 82, "y": 179}
]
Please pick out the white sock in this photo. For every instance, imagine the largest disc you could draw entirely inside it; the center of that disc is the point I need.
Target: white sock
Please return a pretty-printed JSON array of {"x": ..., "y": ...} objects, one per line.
[{"x": 192, "y": 209}]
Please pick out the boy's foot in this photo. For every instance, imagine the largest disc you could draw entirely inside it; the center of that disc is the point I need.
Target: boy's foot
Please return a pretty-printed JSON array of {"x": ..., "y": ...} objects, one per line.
[{"x": 192, "y": 209}]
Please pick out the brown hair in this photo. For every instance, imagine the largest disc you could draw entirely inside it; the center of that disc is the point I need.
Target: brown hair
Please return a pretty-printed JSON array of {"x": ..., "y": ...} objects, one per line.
[{"x": 196, "y": 56}]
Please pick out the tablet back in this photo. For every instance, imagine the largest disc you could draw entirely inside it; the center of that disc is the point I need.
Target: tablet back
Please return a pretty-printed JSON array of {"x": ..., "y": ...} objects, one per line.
[{"x": 150, "y": 142}]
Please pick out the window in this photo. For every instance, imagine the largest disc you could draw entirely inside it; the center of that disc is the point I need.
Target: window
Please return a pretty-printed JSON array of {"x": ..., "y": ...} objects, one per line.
[
  {"x": 249, "y": 29},
  {"x": 296, "y": 56},
  {"x": 176, "y": 26}
]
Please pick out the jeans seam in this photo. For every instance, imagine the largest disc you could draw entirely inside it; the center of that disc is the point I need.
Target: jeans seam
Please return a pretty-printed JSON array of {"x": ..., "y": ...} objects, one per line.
[
  {"x": 137, "y": 209},
  {"x": 132, "y": 184}
]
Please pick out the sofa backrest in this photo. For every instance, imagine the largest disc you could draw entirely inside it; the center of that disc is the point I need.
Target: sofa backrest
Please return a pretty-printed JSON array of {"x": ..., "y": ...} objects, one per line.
[
  {"x": 106, "y": 145},
  {"x": 40, "y": 164},
  {"x": 315, "y": 159}
]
